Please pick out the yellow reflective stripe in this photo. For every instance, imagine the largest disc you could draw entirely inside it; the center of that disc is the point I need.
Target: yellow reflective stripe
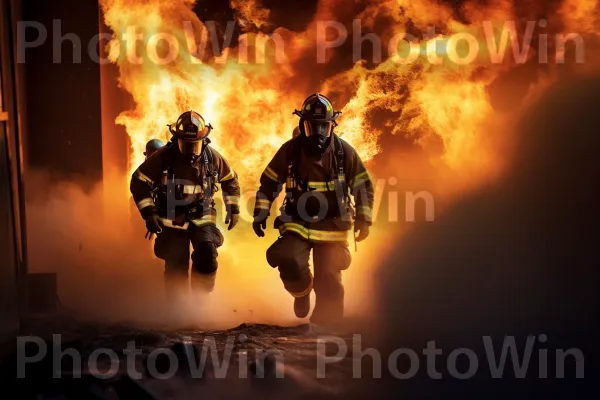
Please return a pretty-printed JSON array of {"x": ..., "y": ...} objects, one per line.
[
  {"x": 327, "y": 236},
  {"x": 321, "y": 186},
  {"x": 169, "y": 224},
  {"x": 305, "y": 292},
  {"x": 363, "y": 176},
  {"x": 228, "y": 177},
  {"x": 232, "y": 200},
  {"x": 205, "y": 220},
  {"x": 192, "y": 189},
  {"x": 295, "y": 228},
  {"x": 269, "y": 173},
  {"x": 314, "y": 235},
  {"x": 364, "y": 210},
  {"x": 263, "y": 204},
  {"x": 323, "y": 183},
  {"x": 140, "y": 176},
  {"x": 149, "y": 202}
]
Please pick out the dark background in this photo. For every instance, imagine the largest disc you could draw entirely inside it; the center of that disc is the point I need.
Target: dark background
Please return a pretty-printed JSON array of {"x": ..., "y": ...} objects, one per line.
[
  {"x": 518, "y": 258},
  {"x": 63, "y": 114}
]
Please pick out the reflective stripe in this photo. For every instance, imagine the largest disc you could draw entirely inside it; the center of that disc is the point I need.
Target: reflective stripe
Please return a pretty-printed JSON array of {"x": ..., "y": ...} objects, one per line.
[
  {"x": 295, "y": 228},
  {"x": 323, "y": 186},
  {"x": 205, "y": 220},
  {"x": 269, "y": 173},
  {"x": 232, "y": 200},
  {"x": 364, "y": 210},
  {"x": 362, "y": 177},
  {"x": 169, "y": 224},
  {"x": 313, "y": 234},
  {"x": 327, "y": 236},
  {"x": 228, "y": 177},
  {"x": 305, "y": 292},
  {"x": 140, "y": 176},
  {"x": 192, "y": 189},
  {"x": 263, "y": 204},
  {"x": 149, "y": 202}
]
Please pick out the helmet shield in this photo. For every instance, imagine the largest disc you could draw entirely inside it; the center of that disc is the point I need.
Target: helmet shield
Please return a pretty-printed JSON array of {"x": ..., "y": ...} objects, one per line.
[
  {"x": 190, "y": 147},
  {"x": 317, "y": 107}
]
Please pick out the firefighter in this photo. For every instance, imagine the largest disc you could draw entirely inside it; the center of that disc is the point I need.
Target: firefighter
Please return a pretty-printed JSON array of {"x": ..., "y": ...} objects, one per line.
[
  {"x": 152, "y": 146},
  {"x": 319, "y": 171},
  {"x": 186, "y": 171}
]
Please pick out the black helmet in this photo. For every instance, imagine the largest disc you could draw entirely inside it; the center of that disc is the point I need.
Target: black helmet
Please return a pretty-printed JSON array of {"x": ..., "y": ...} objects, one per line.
[
  {"x": 190, "y": 131},
  {"x": 152, "y": 146},
  {"x": 317, "y": 119}
]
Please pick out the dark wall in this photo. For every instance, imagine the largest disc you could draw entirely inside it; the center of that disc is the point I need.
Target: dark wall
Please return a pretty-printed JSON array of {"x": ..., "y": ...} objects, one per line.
[
  {"x": 63, "y": 114},
  {"x": 10, "y": 254}
]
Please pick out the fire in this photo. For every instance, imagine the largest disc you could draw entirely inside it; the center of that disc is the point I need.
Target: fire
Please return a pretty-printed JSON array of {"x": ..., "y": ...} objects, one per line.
[{"x": 443, "y": 107}]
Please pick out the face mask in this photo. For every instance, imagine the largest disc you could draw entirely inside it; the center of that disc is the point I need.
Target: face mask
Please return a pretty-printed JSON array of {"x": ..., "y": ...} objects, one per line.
[
  {"x": 318, "y": 133},
  {"x": 190, "y": 147}
]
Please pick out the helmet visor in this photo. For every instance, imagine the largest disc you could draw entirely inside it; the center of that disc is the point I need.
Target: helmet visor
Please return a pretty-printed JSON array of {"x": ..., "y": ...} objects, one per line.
[
  {"x": 191, "y": 147},
  {"x": 318, "y": 128}
]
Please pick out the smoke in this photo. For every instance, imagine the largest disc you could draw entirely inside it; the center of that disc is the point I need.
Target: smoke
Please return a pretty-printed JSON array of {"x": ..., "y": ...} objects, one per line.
[
  {"x": 107, "y": 270},
  {"x": 94, "y": 240},
  {"x": 518, "y": 257}
]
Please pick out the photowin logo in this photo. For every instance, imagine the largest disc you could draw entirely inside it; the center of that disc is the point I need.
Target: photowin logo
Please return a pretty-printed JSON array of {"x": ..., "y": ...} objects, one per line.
[{"x": 498, "y": 358}]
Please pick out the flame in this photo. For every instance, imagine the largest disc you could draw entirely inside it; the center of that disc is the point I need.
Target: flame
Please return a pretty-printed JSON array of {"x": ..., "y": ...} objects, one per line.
[
  {"x": 444, "y": 108},
  {"x": 581, "y": 16}
]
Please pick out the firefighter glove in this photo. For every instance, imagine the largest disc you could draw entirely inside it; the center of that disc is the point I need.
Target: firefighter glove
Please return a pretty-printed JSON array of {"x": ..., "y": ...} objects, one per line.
[
  {"x": 154, "y": 224},
  {"x": 232, "y": 220},
  {"x": 362, "y": 227},
  {"x": 259, "y": 225}
]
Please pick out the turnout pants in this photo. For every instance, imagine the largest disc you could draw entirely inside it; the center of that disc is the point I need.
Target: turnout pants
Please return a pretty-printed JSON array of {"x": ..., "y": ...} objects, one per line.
[
  {"x": 291, "y": 254},
  {"x": 173, "y": 246}
]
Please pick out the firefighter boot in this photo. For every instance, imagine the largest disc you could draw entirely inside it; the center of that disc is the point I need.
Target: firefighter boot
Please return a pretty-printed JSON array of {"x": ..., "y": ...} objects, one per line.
[
  {"x": 330, "y": 260},
  {"x": 302, "y": 306},
  {"x": 204, "y": 267}
]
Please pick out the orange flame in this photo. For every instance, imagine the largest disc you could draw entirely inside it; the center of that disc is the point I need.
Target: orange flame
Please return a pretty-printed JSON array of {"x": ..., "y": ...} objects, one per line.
[{"x": 443, "y": 107}]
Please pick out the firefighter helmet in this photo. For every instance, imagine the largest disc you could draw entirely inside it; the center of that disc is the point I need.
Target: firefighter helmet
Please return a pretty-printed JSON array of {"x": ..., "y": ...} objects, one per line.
[
  {"x": 317, "y": 119},
  {"x": 152, "y": 146},
  {"x": 190, "y": 130},
  {"x": 317, "y": 108}
]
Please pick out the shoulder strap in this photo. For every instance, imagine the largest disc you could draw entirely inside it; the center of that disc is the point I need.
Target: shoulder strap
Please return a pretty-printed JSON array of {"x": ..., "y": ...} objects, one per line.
[
  {"x": 293, "y": 157},
  {"x": 209, "y": 178},
  {"x": 339, "y": 155},
  {"x": 169, "y": 156},
  {"x": 208, "y": 160},
  {"x": 293, "y": 165}
]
